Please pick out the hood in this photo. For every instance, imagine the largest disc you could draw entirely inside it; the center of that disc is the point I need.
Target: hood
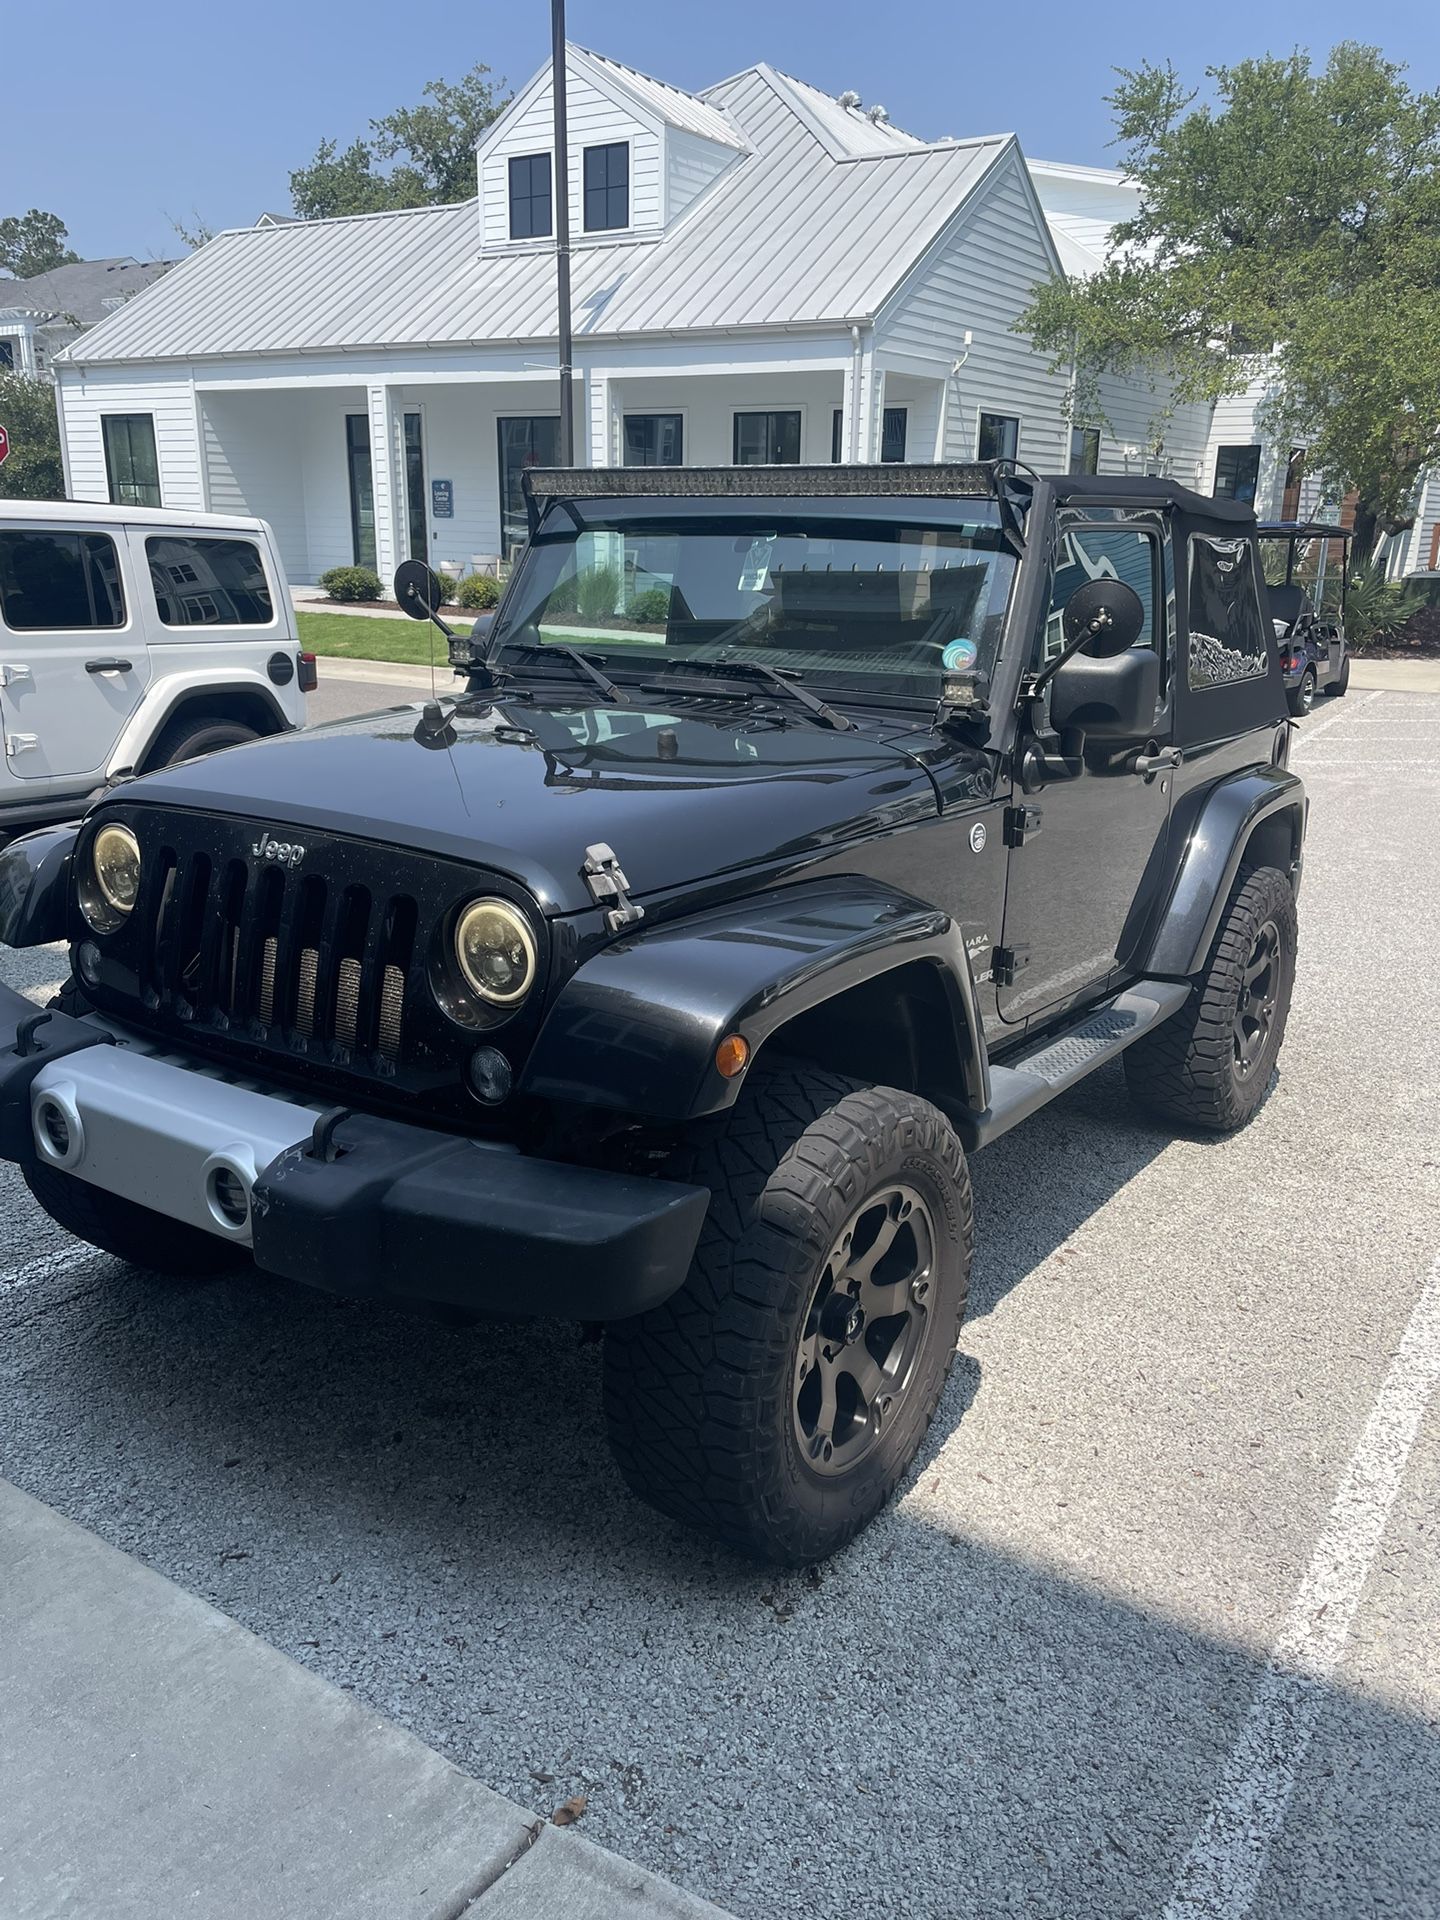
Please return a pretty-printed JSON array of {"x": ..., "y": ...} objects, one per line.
[{"x": 524, "y": 789}]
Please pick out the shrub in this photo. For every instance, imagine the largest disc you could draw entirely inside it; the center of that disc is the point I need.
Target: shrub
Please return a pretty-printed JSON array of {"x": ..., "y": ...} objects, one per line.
[
  {"x": 651, "y": 608},
  {"x": 351, "y": 583},
  {"x": 1376, "y": 607},
  {"x": 478, "y": 591},
  {"x": 599, "y": 590}
]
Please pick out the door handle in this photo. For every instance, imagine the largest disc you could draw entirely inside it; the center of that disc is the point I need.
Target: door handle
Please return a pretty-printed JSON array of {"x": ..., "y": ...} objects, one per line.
[
  {"x": 107, "y": 666},
  {"x": 1149, "y": 764}
]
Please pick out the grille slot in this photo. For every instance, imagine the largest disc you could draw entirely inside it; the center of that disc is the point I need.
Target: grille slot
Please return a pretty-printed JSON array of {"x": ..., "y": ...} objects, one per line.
[{"x": 283, "y": 957}]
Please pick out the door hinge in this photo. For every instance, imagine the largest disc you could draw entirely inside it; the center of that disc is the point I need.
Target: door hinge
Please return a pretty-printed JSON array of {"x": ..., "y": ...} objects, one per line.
[
  {"x": 607, "y": 883},
  {"x": 1006, "y": 962},
  {"x": 1021, "y": 824},
  {"x": 13, "y": 670},
  {"x": 20, "y": 743}
]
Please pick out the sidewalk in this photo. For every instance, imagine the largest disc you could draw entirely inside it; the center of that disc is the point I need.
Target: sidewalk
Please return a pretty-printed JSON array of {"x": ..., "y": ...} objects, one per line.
[
  {"x": 157, "y": 1759},
  {"x": 1394, "y": 676}
]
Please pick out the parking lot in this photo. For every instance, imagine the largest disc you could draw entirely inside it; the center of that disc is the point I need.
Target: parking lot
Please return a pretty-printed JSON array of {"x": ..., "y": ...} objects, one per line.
[{"x": 1095, "y": 1660}]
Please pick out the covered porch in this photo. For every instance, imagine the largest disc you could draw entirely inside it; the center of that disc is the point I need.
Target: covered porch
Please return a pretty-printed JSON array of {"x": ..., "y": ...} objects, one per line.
[{"x": 420, "y": 463}]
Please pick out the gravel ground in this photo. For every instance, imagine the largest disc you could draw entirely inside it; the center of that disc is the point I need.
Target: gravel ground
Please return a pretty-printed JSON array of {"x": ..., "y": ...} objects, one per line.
[{"x": 1015, "y": 1694}]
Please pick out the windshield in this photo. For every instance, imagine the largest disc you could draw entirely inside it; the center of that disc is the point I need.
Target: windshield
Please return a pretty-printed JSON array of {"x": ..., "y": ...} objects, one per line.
[
  {"x": 1310, "y": 562},
  {"x": 871, "y": 607}
]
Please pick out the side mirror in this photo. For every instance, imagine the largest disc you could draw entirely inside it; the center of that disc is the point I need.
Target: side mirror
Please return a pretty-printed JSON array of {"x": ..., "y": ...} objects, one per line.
[
  {"x": 418, "y": 591},
  {"x": 1112, "y": 697},
  {"x": 1103, "y": 618}
]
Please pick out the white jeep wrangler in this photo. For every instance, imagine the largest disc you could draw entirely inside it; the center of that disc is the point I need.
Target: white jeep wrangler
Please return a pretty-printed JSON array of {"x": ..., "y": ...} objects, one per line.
[{"x": 132, "y": 637}]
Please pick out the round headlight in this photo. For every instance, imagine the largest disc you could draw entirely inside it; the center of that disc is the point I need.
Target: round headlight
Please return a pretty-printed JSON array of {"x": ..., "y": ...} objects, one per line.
[
  {"x": 114, "y": 878},
  {"x": 496, "y": 951}
]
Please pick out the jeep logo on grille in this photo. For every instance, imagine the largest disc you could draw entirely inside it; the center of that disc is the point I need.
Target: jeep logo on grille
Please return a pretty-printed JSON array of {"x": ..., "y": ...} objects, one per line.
[{"x": 285, "y": 853}]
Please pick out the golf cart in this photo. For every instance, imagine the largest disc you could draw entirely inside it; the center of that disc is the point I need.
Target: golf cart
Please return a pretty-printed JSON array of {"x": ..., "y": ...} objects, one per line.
[{"x": 1307, "y": 574}]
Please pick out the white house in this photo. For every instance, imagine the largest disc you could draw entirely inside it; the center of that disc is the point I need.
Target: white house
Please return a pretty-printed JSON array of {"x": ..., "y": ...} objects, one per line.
[
  {"x": 761, "y": 273},
  {"x": 41, "y": 315}
]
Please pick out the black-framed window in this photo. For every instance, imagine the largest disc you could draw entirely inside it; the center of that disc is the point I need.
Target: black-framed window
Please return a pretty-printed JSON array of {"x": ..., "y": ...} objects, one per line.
[
  {"x": 998, "y": 437},
  {"x": 769, "y": 439},
  {"x": 892, "y": 436},
  {"x": 837, "y": 435},
  {"x": 1237, "y": 474},
  {"x": 51, "y": 581},
  {"x": 653, "y": 440},
  {"x": 526, "y": 440},
  {"x": 7, "y": 356},
  {"x": 131, "y": 464},
  {"x": 362, "y": 488},
  {"x": 607, "y": 186},
  {"x": 1084, "y": 450},
  {"x": 531, "y": 208},
  {"x": 208, "y": 583},
  {"x": 415, "y": 502}
]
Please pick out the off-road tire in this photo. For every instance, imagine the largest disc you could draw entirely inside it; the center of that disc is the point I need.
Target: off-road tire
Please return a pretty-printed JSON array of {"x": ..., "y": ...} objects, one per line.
[
  {"x": 1340, "y": 685},
  {"x": 1302, "y": 698},
  {"x": 1187, "y": 1069},
  {"x": 189, "y": 738},
  {"x": 700, "y": 1392},
  {"x": 131, "y": 1232}
]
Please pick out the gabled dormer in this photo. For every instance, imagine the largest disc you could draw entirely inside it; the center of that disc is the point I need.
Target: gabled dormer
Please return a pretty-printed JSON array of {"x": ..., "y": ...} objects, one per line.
[{"x": 641, "y": 153}]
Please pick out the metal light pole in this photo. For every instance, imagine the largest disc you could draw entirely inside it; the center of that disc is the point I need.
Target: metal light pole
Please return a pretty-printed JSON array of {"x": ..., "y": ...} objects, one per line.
[{"x": 562, "y": 231}]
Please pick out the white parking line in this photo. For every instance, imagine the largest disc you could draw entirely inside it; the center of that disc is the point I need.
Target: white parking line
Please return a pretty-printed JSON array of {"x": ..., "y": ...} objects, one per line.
[
  {"x": 1222, "y": 1870},
  {"x": 47, "y": 1267},
  {"x": 1317, "y": 727}
]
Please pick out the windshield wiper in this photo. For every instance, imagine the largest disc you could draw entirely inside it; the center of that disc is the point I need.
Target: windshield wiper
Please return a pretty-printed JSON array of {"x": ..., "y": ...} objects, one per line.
[
  {"x": 540, "y": 649},
  {"x": 776, "y": 680}
]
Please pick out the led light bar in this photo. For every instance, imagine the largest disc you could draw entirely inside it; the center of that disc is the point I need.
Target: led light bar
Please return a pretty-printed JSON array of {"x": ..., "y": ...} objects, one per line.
[{"x": 959, "y": 480}]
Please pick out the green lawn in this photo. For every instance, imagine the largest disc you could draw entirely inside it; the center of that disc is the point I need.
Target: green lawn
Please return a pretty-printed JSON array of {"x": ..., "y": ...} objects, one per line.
[{"x": 349, "y": 636}]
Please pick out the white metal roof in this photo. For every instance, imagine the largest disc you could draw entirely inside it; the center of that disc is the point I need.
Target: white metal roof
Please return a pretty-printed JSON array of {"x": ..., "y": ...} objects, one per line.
[
  {"x": 791, "y": 234},
  {"x": 671, "y": 104}
]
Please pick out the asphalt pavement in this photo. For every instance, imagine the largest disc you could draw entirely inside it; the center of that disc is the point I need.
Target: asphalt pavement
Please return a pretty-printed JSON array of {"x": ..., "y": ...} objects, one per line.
[{"x": 1153, "y": 1630}]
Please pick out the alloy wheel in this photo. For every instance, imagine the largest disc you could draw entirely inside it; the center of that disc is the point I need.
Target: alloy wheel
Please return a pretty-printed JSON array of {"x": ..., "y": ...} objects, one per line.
[
  {"x": 1259, "y": 992},
  {"x": 865, "y": 1329}
]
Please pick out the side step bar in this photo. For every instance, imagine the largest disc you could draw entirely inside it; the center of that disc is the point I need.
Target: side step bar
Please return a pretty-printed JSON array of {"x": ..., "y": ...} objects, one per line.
[{"x": 1032, "y": 1080}]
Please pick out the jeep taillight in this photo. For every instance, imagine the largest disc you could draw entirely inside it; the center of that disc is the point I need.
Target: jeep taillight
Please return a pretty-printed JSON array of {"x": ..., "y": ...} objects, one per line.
[{"x": 309, "y": 673}]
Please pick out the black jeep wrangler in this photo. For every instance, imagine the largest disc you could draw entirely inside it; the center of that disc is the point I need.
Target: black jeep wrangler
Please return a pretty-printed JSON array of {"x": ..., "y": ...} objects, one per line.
[{"x": 794, "y": 833}]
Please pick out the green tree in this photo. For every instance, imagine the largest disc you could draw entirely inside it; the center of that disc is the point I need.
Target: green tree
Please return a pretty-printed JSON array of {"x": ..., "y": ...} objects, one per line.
[
  {"x": 433, "y": 144},
  {"x": 33, "y": 242},
  {"x": 1291, "y": 229},
  {"x": 34, "y": 470}
]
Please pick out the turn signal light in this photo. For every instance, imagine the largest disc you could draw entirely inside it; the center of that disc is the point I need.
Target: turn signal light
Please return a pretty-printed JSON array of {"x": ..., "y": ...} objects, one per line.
[{"x": 731, "y": 1055}]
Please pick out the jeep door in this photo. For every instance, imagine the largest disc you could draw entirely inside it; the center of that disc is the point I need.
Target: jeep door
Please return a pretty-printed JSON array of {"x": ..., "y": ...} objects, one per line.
[
  {"x": 1093, "y": 844},
  {"x": 73, "y": 660}
]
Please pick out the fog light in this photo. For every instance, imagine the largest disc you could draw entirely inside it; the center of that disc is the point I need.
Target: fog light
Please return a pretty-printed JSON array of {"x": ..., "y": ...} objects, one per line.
[
  {"x": 87, "y": 963},
  {"x": 490, "y": 1075}
]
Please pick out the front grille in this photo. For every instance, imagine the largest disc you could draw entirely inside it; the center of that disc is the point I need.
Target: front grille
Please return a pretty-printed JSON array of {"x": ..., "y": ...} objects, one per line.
[{"x": 247, "y": 946}]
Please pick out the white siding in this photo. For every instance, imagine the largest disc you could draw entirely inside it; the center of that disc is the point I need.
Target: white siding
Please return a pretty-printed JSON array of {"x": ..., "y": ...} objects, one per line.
[
  {"x": 981, "y": 278},
  {"x": 158, "y": 391},
  {"x": 254, "y": 452},
  {"x": 690, "y": 165},
  {"x": 1137, "y": 413},
  {"x": 593, "y": 120},
  {"x": 1414, "y": 547}
]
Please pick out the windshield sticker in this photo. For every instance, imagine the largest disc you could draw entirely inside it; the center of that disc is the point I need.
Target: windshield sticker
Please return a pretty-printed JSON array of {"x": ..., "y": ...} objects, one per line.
[
  {"x": 755, "y": 573},
  {"x": 960, "y": 656}
]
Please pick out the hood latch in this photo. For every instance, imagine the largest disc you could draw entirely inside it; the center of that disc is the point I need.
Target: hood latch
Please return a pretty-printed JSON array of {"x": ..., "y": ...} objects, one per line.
[{"x": 607, "y": 883}]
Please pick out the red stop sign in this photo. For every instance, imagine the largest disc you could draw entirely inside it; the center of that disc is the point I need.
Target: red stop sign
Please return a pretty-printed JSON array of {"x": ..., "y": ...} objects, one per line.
[{"x": 4, "y": 445}]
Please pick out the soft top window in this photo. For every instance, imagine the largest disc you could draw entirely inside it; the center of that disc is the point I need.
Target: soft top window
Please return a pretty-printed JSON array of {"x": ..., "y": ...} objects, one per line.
[{"x": 1228, "y": 639}]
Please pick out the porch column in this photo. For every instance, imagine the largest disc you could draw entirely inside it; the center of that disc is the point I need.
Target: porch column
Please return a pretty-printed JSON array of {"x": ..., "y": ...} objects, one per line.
[
  {"x": 863, "y": 397},
  {"x": 599, "y": 427},
  {"x": 385, "y": 480}
]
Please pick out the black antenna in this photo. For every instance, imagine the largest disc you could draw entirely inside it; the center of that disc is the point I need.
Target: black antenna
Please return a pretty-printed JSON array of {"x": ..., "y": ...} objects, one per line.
[{"x": 562, "y": 231}]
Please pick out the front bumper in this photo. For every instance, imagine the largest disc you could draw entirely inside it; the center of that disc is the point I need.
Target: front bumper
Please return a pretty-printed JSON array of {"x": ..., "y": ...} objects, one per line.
[{"x": 368, "y": 1206}]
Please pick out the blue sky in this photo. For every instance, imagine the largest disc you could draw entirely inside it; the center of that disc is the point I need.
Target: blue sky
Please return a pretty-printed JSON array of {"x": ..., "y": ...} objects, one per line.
[{"x": 117, "y": 116}]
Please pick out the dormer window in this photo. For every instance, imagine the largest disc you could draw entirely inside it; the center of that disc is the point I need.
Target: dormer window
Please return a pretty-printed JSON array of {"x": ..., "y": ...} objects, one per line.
[
  {"x": 607, "y": 187},
  {"x": 530, "y": 209}
]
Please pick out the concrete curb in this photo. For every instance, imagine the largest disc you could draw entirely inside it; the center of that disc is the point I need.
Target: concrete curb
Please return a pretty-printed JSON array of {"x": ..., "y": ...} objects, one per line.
[
  {"x": 156, "y": 1758},
  {"x": 388, "y": 673},
  {"x": 1395, "y": 676}
]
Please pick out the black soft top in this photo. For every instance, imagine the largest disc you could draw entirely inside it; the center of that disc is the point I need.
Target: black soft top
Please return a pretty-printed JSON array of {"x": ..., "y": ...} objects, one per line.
[
  {"x": 1146, "y": 490},
  {"x": 1304, "y": 530}
]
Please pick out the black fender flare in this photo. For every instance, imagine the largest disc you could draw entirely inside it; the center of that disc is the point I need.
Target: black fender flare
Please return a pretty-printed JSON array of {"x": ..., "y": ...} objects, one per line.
[
  {"x": 35, "y": 887},
  {"x": 635, "y": 1028},
  {"x": 1270, "y": 800}
]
